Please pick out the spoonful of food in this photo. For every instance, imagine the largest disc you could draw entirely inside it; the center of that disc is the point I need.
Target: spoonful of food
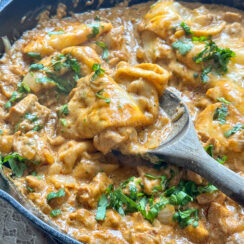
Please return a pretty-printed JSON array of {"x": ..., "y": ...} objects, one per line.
[{"x": 183, "y": 149}]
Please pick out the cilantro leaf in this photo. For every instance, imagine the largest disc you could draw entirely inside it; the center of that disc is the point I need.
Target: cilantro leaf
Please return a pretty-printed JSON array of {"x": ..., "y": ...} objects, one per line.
[
  {"x": 220, "y": 114},
  {"x": 98, "y": 71},
  {"x": 182, "y": 47},
  {"x": 104, "y": 48},
  {"x": 99, "y": 95},
  {"x": 186, "y": 28},
  {"x": 102, "y": 206},
  {"x": 235, "y": 129},
  {"x": 63, "y": 110},
  {"x": 34, "y": 55},
  {"x": 55, "y": 212},
  {"x": 36, "y": 66},
  {"x": 13, "y": 98},
  {"x": 63, "y": 122},
  {"x": 209, "y": 149},
  {"x": 207, "y": 189},
  {"x": 223, "y": 100},
  {"x": 125, "y": 183},
  {"x": 186, "y": 217},
  {"x": 16, "y": 163},
  {"x": 38, "y": 127},
  {"x": 222, "y": 160},
  {"x": 31, "y": 117},
  {"x": 95, "y": 30},
  {"x": 51, "y": 195}
]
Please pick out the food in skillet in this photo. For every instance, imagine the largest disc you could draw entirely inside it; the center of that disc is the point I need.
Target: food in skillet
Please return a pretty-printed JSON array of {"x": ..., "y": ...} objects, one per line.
[{"x": 74, "y": 89}]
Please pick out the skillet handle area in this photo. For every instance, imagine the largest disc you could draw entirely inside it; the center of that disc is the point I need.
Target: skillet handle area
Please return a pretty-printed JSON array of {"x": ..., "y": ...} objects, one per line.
[{"x": 188, "y": 152}]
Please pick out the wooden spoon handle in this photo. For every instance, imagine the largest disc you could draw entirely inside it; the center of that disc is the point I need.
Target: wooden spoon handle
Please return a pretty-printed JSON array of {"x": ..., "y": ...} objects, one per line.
[
  {"x": 188, "y": 152},
  {"x": 223, "y": 178}
]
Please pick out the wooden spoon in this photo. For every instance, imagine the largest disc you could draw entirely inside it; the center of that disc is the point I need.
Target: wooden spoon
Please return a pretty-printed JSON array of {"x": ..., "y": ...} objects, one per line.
[{"x": 183, "y": 149}]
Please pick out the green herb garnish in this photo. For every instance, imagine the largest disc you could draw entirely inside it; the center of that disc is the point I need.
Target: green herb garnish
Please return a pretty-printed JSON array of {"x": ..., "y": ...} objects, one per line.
[
  {"x": 16, "y": 163},
  {"x": 186, "y": 28},
  {"x": 34, "y": 55},
  {"x": 235, "y": 129},
  {"x": 102, "y": 206},
  {"x": 220, "y": 114},
  {"x": 36, "y": 66},
  {"x": 55, "y": 212},
  {"x": 31, "y": 117},
  {"x": 52, "y": 195},
  {"x": 63, "y": 122},
  {"x": 104, "y": 48},
  {"x": 38, "y": 127},
  {"x": 223, "y": 100},
  {"x": 98, "y": 71},
  {"x": 63, "y": 110},
  {"x": 213, "y": 58},
  {"x": 209, "y": 149},
  {"x": 99, "y": 95},
  {"x": 186, "y": 217},
  {"x": 182, "y": 47},
  {"x": 95, "y": 30}
]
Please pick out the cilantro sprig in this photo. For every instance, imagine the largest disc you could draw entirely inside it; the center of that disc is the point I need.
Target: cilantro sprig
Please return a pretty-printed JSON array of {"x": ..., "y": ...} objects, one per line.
[{"x": 212, "y": 57}]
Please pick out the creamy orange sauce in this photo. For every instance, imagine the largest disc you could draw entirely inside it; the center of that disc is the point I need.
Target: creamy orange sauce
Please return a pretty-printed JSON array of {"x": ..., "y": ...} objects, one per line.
[{"x": 72, "y": 114}]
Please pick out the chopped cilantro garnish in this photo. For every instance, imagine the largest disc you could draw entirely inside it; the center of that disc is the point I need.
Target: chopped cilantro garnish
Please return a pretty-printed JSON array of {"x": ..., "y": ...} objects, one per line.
[
  {"x": 235, "y": 129},
  {"x": 125, "y": 183},
  {"x": 31, "y": 117},
  {"x": 102, "y": 206},
  {"x": 223, "y": 100},
  {"x": 63, "y": 110},
  {"x": 38, "y": 127},
  {"x": 104, "y": 48},
  {"x": 220, "y": 114},
  {"x": 99, "y": 95},
  {"x": 63, "y": 122},
  {"x": 95, "y": 30},
  {"x": 97, "y": 18},
  {"x": 213, "y": 58},
  {"x": 34, "y": 55},
  {"x": 36, "y": 66},
  {"x": 51, "y": 195},
  {"x": 186, "y": 217},
  {"x": 209, "y": 149},
  {"x": 98, "y": 71},
  {"x": 14, "y": 97},
  {"x": 23, "y": 88},
  {"x": 149, "y": 205},
  {"x": 44, "y": 80},
  {"x": 222, "y": 160},
  {"x": 186, "y": 28},
  {"x": 182, "y": 47},
  {"x": 16, "y": 163},
  {"x": 55, "y": 212},
  {"x": 30, "y": 189}
]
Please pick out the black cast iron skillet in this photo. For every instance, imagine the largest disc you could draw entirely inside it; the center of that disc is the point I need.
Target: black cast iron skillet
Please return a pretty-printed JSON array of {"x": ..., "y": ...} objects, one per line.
[{"x": 11, "y": 14}]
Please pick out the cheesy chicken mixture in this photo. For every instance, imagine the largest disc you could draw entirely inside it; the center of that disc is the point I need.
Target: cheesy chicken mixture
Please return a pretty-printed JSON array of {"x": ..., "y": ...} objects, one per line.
[{"x": 75, "y": 89}]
